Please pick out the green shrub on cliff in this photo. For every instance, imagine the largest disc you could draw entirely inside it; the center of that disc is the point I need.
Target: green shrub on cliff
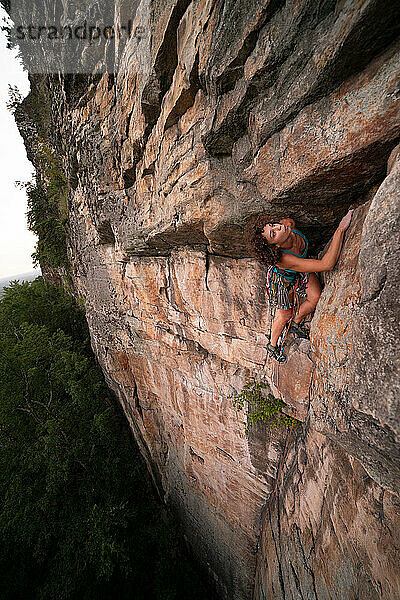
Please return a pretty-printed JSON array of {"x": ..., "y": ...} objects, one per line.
[
  {"x": 47, "y": 194},
  {"x": 260, "y": 408},
  {"x": 47, "y": 210},
  {"x": 44, "y": 220},
  {"x": 78, "y": 518}
]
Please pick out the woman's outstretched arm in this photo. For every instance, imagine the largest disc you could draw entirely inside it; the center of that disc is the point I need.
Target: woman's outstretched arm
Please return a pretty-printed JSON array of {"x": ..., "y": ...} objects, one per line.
[{"x": 327, "y": 262}]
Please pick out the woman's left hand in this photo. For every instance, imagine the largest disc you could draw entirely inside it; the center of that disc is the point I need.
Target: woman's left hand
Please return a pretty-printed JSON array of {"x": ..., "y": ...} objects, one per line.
[{"x": 345, "y": 222}]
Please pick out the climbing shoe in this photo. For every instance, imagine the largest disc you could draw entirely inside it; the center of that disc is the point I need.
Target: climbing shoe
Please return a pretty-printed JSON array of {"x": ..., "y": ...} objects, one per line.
[
  {"x": 299, "y": 331},
  {"x": 276, "y": 354}
]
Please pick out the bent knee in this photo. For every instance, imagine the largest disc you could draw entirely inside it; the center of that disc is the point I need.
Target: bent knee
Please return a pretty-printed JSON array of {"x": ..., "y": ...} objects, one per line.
[
  {"x": 313, "y": 299},
  {"x": 284, "y": 315},
  {"x": 314, "y": 293}
]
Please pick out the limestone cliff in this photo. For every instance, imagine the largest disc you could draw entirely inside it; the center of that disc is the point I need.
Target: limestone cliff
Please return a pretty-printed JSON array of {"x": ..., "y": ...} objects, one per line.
[{"x": 227, "y": 109}]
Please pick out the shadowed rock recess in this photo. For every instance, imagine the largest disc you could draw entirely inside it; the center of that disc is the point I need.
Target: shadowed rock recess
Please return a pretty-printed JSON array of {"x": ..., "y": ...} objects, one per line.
[{"x": 227, "y": 109}]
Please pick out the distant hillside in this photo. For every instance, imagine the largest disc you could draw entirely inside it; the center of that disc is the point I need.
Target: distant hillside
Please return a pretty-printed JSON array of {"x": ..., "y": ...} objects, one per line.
[{"x": 30, "y": 276}]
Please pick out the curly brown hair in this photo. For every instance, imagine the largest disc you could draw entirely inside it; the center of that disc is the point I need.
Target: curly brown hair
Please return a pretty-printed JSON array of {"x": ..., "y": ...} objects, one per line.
[{"x": 259, "y": 247}]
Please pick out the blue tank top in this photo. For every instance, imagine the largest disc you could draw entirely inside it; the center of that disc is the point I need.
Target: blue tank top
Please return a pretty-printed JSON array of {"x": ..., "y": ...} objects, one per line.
[{"x": 289, "y": 274}]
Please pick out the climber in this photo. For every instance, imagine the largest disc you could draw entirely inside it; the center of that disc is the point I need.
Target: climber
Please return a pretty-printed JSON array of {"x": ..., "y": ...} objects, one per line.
[{"x": 284, "y": 249}]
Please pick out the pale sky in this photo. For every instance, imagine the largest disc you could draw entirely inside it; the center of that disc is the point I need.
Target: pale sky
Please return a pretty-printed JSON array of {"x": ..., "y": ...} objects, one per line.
[{"x": 16, "y": 242}]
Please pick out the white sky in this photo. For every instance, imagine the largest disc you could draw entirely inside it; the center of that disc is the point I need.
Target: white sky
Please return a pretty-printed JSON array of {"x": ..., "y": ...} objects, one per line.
[{"x": 16, "y": 242}]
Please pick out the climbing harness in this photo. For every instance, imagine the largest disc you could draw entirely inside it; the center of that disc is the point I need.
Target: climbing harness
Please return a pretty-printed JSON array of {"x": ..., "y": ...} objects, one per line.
[
  {"x": 278, "y": 287},
  {"x": 279, "y": 282}
]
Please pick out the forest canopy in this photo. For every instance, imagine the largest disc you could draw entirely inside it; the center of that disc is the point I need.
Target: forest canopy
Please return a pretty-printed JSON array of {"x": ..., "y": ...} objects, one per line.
[{"x": 78, "y": 516}]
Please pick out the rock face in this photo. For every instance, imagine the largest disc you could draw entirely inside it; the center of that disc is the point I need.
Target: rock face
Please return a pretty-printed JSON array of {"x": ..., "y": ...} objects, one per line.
[
  {"x": 339, "y": 495},
  {"x": 226, "y": 110}
]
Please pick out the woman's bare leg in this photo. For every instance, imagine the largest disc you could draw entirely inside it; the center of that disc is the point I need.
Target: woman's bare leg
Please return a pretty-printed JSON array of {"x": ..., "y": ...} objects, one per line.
[
  {"x": 282, "y": 317},
  {"x": 313, "y": 294}
]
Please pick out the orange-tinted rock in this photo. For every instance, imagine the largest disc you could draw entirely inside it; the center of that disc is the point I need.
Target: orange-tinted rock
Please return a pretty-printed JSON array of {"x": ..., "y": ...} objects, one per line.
[
  {"x": 355, "y": 333},
  {"x": 225, "y": 110},
  {"x": 294, "y": 378},
  {"x": 327, "y": 510}
]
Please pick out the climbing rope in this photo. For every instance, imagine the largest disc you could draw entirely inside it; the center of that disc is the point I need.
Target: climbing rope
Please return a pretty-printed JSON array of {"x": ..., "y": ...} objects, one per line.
[
  {"x": 276, "y": 383},
  {"x": 267, "y": 507},
  {"x": 266, "y": 510},
  {"x": 275, "y": 378}
]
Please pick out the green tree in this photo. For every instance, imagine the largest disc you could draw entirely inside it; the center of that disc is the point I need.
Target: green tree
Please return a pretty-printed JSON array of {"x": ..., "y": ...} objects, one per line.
[
  {"x": 47, "y": 209},
  {"x": 78, "y": 518}
]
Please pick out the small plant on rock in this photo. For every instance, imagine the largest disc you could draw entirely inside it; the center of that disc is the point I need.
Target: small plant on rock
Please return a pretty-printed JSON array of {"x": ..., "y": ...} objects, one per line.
[{"x": 261, "y": 408}]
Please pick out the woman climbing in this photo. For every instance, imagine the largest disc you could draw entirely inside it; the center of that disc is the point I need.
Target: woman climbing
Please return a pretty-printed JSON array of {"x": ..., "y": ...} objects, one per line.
[{"x": 290, "y": 275}]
